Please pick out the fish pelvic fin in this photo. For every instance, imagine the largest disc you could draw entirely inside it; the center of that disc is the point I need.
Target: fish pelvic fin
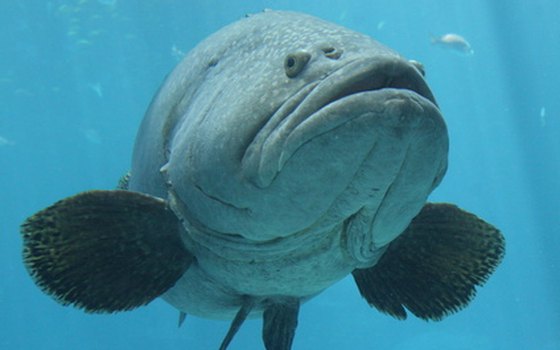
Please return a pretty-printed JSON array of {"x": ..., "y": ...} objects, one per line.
[
  {"x": 433, "y": 268},
  {"x": 280, "y": 319},
  {"x": 247, "y": 306},
  {"x": 105, "y": 251},
  {"x": 280, "y": 314}
]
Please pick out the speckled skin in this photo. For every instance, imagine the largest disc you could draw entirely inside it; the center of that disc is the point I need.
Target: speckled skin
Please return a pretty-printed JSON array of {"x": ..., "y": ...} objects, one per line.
[{"x": 284, "y": 185}]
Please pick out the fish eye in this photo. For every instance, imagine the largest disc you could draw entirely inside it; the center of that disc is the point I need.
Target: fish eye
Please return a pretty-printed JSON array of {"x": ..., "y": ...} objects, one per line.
[
  {"x": 295, "y": 62},
  {"x": 419, "y": 67}
]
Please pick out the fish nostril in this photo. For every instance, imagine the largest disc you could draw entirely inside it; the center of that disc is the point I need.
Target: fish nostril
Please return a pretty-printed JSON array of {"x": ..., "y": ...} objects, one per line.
[
  {"x": 295, "y": 62},
  {"x": 290, "y": 62},
  {"x": 332, "y": 53}
]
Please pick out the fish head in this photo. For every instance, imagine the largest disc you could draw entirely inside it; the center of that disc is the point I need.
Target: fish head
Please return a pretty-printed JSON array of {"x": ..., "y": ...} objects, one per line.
[{"x": 292, "y": 124}]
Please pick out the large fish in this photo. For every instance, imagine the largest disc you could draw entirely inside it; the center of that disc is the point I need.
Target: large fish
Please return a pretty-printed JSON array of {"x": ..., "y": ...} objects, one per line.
[{"x": 282, "y": 154}]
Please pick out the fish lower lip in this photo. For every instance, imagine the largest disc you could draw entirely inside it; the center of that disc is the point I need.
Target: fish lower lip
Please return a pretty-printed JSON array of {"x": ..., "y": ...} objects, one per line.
[{"x": 395, "y": 109}]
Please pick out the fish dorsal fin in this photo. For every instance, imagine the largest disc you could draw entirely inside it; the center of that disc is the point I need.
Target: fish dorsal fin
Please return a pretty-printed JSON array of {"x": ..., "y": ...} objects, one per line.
[
  {"x": 105, "y": 251},
  {"x": 434, "y": 266},
  {"x": 280, "y": 322},
  {"x": 247, "y": 305}
]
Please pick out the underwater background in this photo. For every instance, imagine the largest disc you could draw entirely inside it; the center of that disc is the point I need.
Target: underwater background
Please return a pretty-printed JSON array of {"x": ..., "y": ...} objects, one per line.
[{"x": 77, "y": 75}]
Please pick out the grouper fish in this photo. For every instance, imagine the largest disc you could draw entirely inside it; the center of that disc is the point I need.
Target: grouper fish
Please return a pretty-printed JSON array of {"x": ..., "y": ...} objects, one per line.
[{"x": 281, "y": 155}]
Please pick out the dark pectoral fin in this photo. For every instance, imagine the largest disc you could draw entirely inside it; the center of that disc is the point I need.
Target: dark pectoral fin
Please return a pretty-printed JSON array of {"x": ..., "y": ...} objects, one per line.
[
  {"x": 279, "y": 323},
  {"x": 433, "y": 268},
  {"x": 105, "y": 251}
]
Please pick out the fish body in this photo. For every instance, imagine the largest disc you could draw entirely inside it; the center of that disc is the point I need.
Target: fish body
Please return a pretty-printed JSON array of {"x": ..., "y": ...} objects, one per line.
[
  {"x": 260, "y": 163},
  {"x": 282, "y": 154}
]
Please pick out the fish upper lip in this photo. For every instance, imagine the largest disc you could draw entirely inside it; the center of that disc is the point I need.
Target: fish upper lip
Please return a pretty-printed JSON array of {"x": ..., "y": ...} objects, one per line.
[
  {"x": 264, "y": 157},
  {"x": 376, "y": 74}
]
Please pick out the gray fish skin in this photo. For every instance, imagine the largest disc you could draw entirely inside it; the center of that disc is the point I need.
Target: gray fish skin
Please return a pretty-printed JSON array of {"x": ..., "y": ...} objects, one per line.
[{"x": 283, "y": 184}]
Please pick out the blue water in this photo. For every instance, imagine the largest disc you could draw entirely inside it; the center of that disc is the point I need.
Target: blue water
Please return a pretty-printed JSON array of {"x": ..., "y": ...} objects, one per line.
[{"x": 76, "y": 77}]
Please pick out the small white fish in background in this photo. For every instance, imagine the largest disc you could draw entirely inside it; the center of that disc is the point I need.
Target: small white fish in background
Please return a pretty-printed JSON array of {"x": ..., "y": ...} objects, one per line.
[
  {"x": 543, "y": 116},
  {"x": 5, "y": 142},
  {"x": 97, "y": 89},
  {"x": 177, "y": 53},
  {"x": 343, "y": 16},
  {"x": 453, "y": 42}
]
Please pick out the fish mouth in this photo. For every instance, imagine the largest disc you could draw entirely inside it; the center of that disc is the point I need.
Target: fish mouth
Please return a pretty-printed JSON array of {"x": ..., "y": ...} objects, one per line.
[
  {"x": 275, "y": 143},
  {"x": 393, "y": 73}
]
